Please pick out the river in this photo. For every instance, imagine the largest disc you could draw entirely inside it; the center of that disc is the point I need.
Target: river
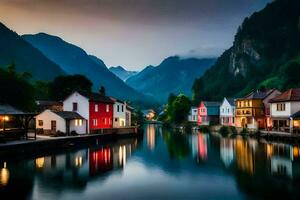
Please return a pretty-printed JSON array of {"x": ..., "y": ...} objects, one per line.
[{"x": 162, "y": 165}]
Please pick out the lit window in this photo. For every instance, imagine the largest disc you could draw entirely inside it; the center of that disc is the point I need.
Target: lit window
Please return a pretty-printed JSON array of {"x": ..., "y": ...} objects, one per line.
[
  {"x": 95, "y": 122},
  {"x": 41, "y": 123},
  {"x": 107, "y": 108},
  {"x": 96, "y": 108},
  {"x": 78, "y": 122}
]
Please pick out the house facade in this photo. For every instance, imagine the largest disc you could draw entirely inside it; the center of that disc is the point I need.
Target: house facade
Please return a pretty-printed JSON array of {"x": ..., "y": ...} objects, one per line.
[
  {"x": 49, "y": 122},
  {"x": 193, "y": 115},
  {"x": 128, "y": 113},
  {"x": 252, "y": 111},
  {"x": 208, "y": 112},
  {"x": 227, "y": 112},
  {"x": 119, "y": 111},
  {"x": 97, "y": 108},
  {"x": 284, "y": 109}
]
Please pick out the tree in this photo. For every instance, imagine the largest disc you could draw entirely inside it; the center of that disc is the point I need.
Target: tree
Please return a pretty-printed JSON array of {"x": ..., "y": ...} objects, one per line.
[
  {"x": 181, "y": 107},
  {"x": 102, "y": 90},
  {"x": 15, "y": 89},
  {"x": 62, "y": 86}
]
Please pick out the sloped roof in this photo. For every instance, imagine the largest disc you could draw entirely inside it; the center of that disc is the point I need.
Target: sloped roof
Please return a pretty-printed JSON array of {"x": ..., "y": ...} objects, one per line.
[
  {"x": 92, "y": 96},
  {"x": 116, "y": 100},
  {"x": 69, "y": 115},
  {"x": 212, "y": 103},
  {"x": 48, "y": 103},
  {"x": 259, "y": 94},
  {"x": 289, "y": 95},
  {"x": 9, "y": 110},
  {"x": 230, "y": 101}
]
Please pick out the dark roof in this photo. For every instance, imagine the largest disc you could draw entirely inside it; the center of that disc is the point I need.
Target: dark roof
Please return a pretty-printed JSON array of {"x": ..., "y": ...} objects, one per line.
[
  {"x": 116, "y": 100},
  {"x": 230, "y": 101},
  {"x": 69, "y": 115},
  {"x": 259, "y": 94},
  {"x": 9, "y": 110},
  {"x": 48, "y": 103},
  {"x": 296, "y": 115},
  {"x": 289, "y": 95},
  {"x": 211, "y": 103},
  {"x": 92, "y": 96}
]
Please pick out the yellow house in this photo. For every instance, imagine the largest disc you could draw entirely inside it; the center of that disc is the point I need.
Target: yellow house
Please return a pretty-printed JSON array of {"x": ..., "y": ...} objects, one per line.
[{"x": 253, "y": 110}]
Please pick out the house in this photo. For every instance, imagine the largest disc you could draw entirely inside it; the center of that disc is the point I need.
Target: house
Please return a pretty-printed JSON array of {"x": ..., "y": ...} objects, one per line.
[
  {"x": 95, "y": 107},
  {"x": 284, "y": 110},
  {"x": 49, "y": 105},
  {"x": 227, "y": 111},
  {"x": 253, "y": 110},
  {"x": 50, "y": 122},
  {"x": 121, "y": 113},
  {"x": 128, "y": 114},
  {"x": 208, "y": 112},
  {"x": 149, "y": 114},
  {"x": 193, "y": 115}
]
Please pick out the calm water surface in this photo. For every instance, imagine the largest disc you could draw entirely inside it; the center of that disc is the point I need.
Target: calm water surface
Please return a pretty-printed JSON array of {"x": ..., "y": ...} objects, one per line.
[{"x": 163, "y": 165}]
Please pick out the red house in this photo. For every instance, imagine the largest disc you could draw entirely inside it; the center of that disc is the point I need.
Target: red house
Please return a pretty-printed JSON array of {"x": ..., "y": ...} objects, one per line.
[
  {"x": 208, "y": 112},
  {"x": 96, "y": 108}
]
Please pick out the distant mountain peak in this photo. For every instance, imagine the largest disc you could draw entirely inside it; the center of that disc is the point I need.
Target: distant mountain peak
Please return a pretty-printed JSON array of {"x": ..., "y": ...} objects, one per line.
[{"x": 122, "y": 73}]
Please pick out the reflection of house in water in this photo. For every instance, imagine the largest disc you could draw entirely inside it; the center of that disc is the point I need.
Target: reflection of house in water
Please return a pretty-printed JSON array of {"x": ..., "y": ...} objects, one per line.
[
  {"x": 199, "y": 146},
  {"x": 151, "y": 136},
  {"x": 284, "y": 160},
  {"x": 4, "y": 175},
  {"x": 100, "y": 161},
  {"x": 245, "y": 155},
  {"x": 226, "y": 151}
]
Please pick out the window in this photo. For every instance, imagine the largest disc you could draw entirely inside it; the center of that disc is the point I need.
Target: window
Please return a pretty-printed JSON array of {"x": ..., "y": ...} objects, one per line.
[
  {"x": 53, "y": 125},
  {"x": 122, "y": 108},
  {"x": 75, "y": 106},
  {"x": 118, "y": 108},
  {"x": 95, "y": 122},
  {"x": 105, "y": 121},
  {"x": 116, "y": 119},
  {"x": 107, "y": 108},
  {"x": 78, "y": 122},
  {"x": 96, "y": 108},
  {"x": 41, "y": 123},
  {"x": 280, "y": 107}
]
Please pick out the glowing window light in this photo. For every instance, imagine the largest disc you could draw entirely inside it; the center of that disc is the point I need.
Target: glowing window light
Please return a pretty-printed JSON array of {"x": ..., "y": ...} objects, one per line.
[
  {"x": 5, "y": 118},
  {"x": 39, "y": 162},
  {"x": 78, "y": 161}
]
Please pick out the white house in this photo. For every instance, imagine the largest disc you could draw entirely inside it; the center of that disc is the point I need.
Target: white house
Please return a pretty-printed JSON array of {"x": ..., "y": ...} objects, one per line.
[
  {"x": 121, "y": 113},
  {"x": 193, "y": 115},
  {"x": 227, "y": 110},
  {"x": 119, "y": 110},
  {"x": 284, "y": 110},
  {"x": 128, "y": 113},
  {"x": 64, "y": 121}
]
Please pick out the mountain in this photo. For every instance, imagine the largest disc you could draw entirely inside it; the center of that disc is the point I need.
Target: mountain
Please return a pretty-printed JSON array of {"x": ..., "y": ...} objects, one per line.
[
  {"x": 265, "y": 54},
  {"x": 173, "y": 75},
  {"x": 98, "y": 61},
  {"x": 13, "y": 49},
  {"x": 75, "y": 60},
  {"x": 122, "y": 73}
]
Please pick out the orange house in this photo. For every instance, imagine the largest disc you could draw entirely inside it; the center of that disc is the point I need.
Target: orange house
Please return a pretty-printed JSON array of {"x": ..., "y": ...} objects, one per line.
[{"x": 253, "y": 110}]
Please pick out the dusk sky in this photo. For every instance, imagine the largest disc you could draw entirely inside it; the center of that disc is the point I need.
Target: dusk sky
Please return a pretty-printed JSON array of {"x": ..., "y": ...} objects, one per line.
[{"x": 134, "y": 33}]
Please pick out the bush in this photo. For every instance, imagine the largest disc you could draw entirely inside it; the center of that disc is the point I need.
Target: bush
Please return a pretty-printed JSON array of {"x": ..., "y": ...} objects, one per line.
[
  {"x": 204, "y": 128},
  {"x": 244, "y": 131},
  {"x": 227, "y": 130}
]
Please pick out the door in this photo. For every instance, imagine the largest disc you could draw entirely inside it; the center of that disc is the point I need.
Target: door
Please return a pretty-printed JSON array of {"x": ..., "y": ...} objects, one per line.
[{"x": 53, "y": 125}]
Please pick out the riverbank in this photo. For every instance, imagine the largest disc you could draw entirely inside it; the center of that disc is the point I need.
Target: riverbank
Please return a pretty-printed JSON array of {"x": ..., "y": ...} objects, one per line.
[{"x": 44, "y": 143}]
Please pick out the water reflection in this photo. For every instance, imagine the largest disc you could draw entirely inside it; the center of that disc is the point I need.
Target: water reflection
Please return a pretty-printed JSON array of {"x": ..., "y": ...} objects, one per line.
[{"x": 166, "y": 164}]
